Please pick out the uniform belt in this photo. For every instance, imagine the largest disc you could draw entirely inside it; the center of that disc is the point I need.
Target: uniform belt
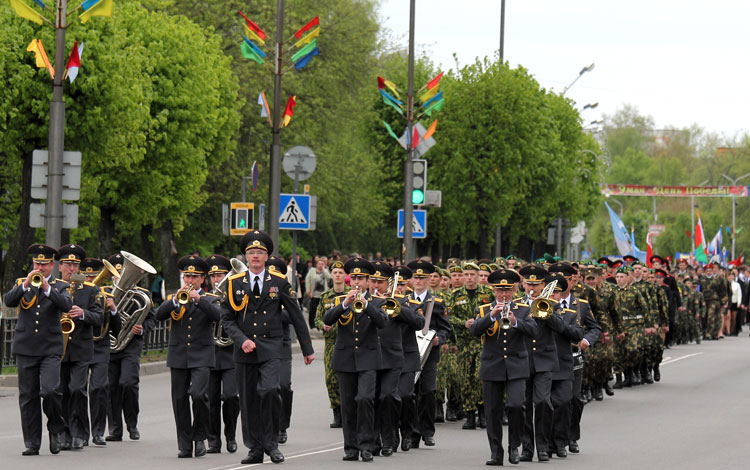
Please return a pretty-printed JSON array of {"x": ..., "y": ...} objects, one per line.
[{"x": 637, "y": 317}]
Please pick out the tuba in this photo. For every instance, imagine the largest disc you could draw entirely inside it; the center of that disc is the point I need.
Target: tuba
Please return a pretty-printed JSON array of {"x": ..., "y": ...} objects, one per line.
[
  {"x": 542, "y": 307},
  {"x": 392, "y": 307},
  {"x": 133, "y": 305},
  {"x": 221, "y": 287}
]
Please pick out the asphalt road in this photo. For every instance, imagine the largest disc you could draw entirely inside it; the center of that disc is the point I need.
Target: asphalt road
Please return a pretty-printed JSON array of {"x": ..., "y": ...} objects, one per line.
[{"x": 695, "y": 418}]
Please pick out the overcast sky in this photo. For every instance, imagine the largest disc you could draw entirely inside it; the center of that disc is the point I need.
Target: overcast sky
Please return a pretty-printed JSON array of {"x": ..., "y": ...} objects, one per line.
[{"x": 680, "y": 62}]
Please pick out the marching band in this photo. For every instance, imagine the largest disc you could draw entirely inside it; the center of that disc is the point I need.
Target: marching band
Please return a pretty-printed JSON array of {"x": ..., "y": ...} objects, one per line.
[{"x": 499, "y": 342}]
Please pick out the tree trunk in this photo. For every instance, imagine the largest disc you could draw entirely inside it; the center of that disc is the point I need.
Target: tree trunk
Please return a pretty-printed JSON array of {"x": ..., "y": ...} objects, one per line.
[
  {"x": 106, "y": 233},
  {"x": 17, "y": 262},
  {"x": 169, "y": 257}
]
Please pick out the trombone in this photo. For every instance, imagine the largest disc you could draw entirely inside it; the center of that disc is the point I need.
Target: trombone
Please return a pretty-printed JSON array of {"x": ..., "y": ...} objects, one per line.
[{"x": 541, "y": 307}]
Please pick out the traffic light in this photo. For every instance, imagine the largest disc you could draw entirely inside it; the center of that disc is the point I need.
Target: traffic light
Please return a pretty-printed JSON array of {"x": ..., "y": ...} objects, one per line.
[
  {"x": 241, "y": 220},
  {"x": 419, "y": 180}
]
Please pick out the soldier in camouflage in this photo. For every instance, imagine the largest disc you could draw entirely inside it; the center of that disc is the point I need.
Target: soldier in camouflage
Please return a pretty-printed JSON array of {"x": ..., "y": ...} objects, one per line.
[
  {"x": 716, "y": 296},
  {"x": 632, "y": 310}
]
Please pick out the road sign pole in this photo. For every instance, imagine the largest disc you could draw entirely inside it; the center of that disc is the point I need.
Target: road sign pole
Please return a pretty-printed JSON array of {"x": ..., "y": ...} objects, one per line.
[
  {"x": 408, "y": 184},
  {"x": 297, "y": 168},
  {"x": 274, "y": 188}
]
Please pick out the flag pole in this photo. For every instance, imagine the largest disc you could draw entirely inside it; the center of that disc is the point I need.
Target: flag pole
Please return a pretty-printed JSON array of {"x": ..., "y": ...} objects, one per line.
[
  {"x": 408, "y": 166},
  {"x": 275, "y": 164}
]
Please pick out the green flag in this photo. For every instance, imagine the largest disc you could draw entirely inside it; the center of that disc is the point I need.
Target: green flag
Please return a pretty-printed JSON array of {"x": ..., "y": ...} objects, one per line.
[
  {"x": 390, "y": 131},
  {"x": 249, "y": 53}
]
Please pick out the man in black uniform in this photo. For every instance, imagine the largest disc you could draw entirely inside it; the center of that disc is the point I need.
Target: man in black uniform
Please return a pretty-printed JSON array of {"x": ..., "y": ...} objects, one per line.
[
  {"x": 78, "y": 347},
  {"x": 356, "y": 360},
  {"x": 542, "y": 363},
  {"x": 427, "y": 384},
  {"x": 252, "y": 316},
  {"x": 99, "y": 364},
  {"x": 192, "y": 313},
  {"x": 503, "y": 326},
  {"x": 222, "y": 383},
  {"x": 124, "y": 375},
  {"x": 37, "y": 344}
]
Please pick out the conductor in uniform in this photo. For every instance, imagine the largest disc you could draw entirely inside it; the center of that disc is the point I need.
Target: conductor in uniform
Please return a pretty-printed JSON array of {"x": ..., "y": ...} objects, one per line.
[
  {"x": 37, "y": 344},
  {"x": 192, "y": 313},
  {"x": 251, "y": 314},
  {"x": 504, "y": 326}
]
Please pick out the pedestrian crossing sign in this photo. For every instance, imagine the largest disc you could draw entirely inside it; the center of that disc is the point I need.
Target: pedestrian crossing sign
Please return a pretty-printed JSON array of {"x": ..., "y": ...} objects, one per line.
[
  {"x": 294, "y": 212},
  {"x": 418, "y": 223}
]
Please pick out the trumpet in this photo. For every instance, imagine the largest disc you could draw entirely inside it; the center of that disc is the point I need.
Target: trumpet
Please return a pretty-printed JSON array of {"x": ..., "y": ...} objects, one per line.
[
  {"x": 358, "y": 306},
  {"x": 505, "y": 317},
  {"x": 541, "y": 307},
  {"x": 183, "y": 295},
  {"x": 37, "y": 279},
  {"x": 392, "y": 307}
]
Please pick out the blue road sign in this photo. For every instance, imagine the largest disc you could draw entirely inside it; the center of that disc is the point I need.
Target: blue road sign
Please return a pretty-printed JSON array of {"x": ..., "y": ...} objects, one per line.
[
  {"x": 418, "y": 223},
  {"x": 294, "y": 212}
]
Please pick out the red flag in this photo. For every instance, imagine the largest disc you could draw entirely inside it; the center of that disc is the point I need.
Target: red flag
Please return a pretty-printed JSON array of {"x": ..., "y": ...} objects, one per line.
[
  {"x": 311, "y": 24},
  {"x": 74, "y": 63},
  {"x": 415, "y": 138},
  {"x": 251, "y": 24},
  {"x": 289, "y": 110},
  {"x": 381, "y": 82},
  {"x": 738, "y": 262},
  {"x": 649, "y": 249},
  {"x": 433, "y": 83}
]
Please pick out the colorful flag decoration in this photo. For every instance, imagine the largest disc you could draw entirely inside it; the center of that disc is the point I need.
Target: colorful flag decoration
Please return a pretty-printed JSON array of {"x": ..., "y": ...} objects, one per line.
[
  {"x": 435, "y": 106},
  {"x": 390, "y": 130},
  {"x": 255, "y": 175},
  {"x": 308, "y": 37},
  {"x": 289, "y": 111},
  {"x": 249, "y": 53},
  {"x": 40, "y": 3},
  {"x": 40, "y": 55},
  {"x": 649, "y": 248},
  {"x": 256, "y": 49},
  {"x": 251, "y": 24},
  {"x": 249, "y": 32},
  {"x": 738, "y": 262},
  {"x": 715, "y": 246},
  {"x": 25, "y": 11},
  {"x": 301, "y": 63},
  {"x": 701, "y": 252},
  {"x": 434, "y": 82},
  {"x": 430, "y": 130},
  {"x": 383, "y": 83},
  {"x": 74, "y": 62},
  {"x": 391, "y": 101},
  {"x": 93, "y": 8},
  {"x": 640, "y": 254},
  {"x": 264, "y": 112},
  {"x": 429, "y": 94},
  {"x": 622, "y": 238},
  {"x": 310, "y": 24},
  {"x": 305, "y": 50},
  {"x": 415, "y": 138},
  {"x": 438, "y": 97}
]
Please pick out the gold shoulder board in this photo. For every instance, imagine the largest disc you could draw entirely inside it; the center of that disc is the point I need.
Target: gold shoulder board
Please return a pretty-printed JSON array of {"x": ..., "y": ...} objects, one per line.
[
  {"x": 90, "y": 284},
  {"x": 570, "y": 311},
  {"x": 276, "y": 273},
  {"x": 583, "y": 300},
  {"x": 399, "y": 296},
  {"x": 438, "y": 299},
  {"x": 520, "y": 304},
  {"x": 235, "y": 276},
  {"x": 169, "y": 297},
  {"x": 415, "y": 302},
  {"x": 210, "y": 294},
  {"x": 20, "y": 280}
]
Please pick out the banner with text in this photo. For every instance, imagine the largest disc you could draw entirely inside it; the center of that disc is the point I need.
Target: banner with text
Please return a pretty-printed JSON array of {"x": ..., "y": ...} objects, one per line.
[{"x": 674, "y": 191}]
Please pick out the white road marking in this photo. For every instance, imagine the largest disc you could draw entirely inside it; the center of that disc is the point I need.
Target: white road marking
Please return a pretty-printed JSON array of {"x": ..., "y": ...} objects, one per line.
[
  {"x": 304, "y": 454},
  {"x": 671, "y": 361}
]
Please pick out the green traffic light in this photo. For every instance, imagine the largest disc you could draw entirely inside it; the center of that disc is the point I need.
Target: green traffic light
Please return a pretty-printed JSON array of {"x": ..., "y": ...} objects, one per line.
[{"x": 417, "y": 196}]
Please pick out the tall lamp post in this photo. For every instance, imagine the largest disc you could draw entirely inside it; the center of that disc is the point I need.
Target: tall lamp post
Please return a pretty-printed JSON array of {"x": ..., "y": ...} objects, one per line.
[
  {"x": 588, "y": 68},
  {"x": 734, "y": 207}
]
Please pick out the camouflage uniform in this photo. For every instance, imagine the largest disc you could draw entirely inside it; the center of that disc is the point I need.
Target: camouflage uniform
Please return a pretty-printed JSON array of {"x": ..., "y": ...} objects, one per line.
[
  {"x": 328, "y": 300},
  {"x": 597, "y": 358},
  {"x": 463, "y": 305},
  {"x": 632, "y": 311},
  {"x": 715, "y": 293},
  {"x": 682, "y": 320}
]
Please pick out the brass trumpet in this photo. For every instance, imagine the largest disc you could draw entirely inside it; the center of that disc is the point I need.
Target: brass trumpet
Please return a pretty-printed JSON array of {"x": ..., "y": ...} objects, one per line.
[
  {"x": 542, "y": 307},
  {"x": 358, "y": 306},
  {"x": 183, "y": 295},
  {"x": 504, "y": 317},
  {"x": 392, "y": 307},
  {"x": 37, "y": 279},
  {"x": 67, "y": 324}
]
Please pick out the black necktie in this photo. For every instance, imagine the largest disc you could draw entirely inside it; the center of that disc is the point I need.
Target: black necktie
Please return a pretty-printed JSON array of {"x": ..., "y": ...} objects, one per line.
[
  {"x": 256, "y": 287},
  {"x": 565, "y": 303}
]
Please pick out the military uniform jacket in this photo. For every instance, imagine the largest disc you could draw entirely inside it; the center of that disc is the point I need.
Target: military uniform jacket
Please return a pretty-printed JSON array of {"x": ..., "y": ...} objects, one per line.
[
  {"x": 714, "y": 289},
  {"x": 591, "y": 327},
  {"x": 504, "y": 353},
  {"x": 261, "y": 320},
  {"x": 38, "y": 331},
  {"x": 81, "y": 342},
  {"x": 224, "y": 355},
  {"x": 542, "y": 347},
  {"x": 101, "y": 347},
  {"x": 357, "y": 346},
  {"x": 191, "y": 338},
  {"x": 327, "y": 302},
  {"x": 462, "y": 305},
  {"x": 438, "y": 322},
  {"x": 392, "y": 336},
  {"x": 409, "y": 338},
  {"x": 572, "y": 333}
]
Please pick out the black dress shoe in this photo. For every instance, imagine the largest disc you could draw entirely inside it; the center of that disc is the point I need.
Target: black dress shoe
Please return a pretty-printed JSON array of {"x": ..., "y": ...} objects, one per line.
[
  {"x": 276, "y": 456},
  {"x": 30, "y": 451},
  {"x": 542, "y": 456},
  {"x": 184, "y": 454},
  {"x": 283, "y": 437},
  {"x": 54, "y": 443},
  {"x": 471, "y": 421},
  {"x": 232, "y": 446},
  {"x": 494, "y": 462},
  {"x": 387, "y": 452},
  {"x": 598, "y": 394},
  {"x": 657, "y": 373},
  {"x": 213, "y": 450},
  {"x": 429, "y": 441},
  {"x": 526, "y": 456},
  {"x": 134, "y": 434},
  {"x": 561, "y": 452},
  {"x": 351, "y": 456},
  {"x": 376, "y": 453},
  {"x": 112, "y": 438},
  {"x": 513, "y": 456},
  {"x": 573, "y": 447},
  {"x": 367, "y": 456},
  {"x": 406, "y": 445},
  {"x": 253, "y": 457},
  {"x": 77, "y": 443},
  {"x": 200, "y": 448}
]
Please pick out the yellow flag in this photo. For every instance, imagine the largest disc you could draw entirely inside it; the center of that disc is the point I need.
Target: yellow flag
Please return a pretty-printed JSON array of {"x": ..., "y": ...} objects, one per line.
[
  {"x": 25, "y": 11},
  {"x": 253, "y": 36},
  {"x": 429, "y": 94},
  {"x": 40, "y": 55},
  {"x": 308, "y": 37},
  {"x": 103, "y": 8}
]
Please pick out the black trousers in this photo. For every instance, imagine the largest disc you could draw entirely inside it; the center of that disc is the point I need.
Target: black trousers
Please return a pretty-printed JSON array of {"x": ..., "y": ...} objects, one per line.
[
  {"x": 357, "y": 391},
  {"x": 38, "y": 380},
  {"x": 124, "y": 378},
  {"x": 576, "y": 405},
  {"x": 408, "y": 410},
  {"x": 538, "y": 410},
  {"x": 258, "y": 385},
  {"x": 98, "y": 398},
  {"x": 388, "y": 406},
  {"x": 425, "y": 388},
  {"x": 190, "y": 385},
  {"x": 313, "y": 310},
  {"x": 494, "y": 404},
  {"x": 559, "y": 426},
  {"x": 74, "y": 388},
  {"x": 223, "y": 400},
  {"x": 286, "y": 394}
]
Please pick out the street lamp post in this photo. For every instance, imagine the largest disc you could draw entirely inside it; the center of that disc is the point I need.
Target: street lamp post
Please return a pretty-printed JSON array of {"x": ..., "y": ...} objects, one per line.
[
  {"x": 734, "y": 207},
  {"x": 588, "y": 68}
]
